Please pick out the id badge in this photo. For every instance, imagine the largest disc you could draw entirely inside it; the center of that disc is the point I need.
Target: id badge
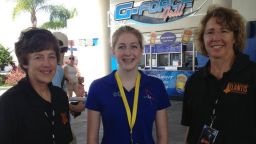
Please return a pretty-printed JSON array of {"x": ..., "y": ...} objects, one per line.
[{"x": 208, "y": 135}]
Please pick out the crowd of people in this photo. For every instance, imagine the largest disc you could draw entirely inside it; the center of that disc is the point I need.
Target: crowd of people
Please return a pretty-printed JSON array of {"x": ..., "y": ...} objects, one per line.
[{"x": 219, "y": 105}]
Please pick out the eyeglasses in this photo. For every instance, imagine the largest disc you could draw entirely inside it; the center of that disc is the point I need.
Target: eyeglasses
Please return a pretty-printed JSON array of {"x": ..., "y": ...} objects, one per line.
[
  {"x": 63, "y": 49},
  {"x": 221, "y": 33},
  {"x": 71, "y": 58}
]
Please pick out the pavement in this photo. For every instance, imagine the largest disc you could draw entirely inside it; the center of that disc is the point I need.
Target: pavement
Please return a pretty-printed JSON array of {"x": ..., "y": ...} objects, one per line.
[
  {"x": 176, "y": 135},
  {"x": 176, "y": 131}
]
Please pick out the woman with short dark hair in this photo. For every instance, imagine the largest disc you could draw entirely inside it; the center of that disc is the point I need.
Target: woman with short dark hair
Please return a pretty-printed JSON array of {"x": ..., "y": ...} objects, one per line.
[{"x": 34, "y": 111}]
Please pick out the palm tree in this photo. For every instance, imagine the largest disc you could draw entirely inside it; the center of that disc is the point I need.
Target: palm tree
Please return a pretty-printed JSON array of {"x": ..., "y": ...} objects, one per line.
[
  {"x": 58, "y": 14},
  {"x": 58, "y": 17}
]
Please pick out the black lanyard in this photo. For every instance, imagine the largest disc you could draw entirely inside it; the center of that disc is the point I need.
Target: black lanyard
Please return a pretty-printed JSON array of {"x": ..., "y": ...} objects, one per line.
[
  {"x": 221, "y": 83},
  {"x": 212, "y": 87},
  {"x": 213, "y": 115}
]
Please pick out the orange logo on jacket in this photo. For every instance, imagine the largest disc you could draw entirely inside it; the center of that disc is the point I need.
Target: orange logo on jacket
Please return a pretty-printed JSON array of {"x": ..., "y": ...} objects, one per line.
[
  {"x": 236, "y": 88},
  {"x": 64, "y": 118}
]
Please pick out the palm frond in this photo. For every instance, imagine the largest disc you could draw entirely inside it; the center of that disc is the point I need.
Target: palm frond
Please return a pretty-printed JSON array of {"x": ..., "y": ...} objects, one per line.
[
  {"x": 22, "y": 5},
  {"x": 55, "y": 25},
  {"x": 58, "y": 13}
]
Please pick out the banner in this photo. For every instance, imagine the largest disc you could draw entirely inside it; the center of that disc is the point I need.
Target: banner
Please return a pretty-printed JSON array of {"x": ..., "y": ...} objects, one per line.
[
  {"x": 187, "y": 34},
  {"x": 174, "y": 81}
]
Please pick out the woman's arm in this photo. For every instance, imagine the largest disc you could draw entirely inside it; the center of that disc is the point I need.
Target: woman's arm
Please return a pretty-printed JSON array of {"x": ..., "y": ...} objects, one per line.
[
  {"x": 186, "y": 136},
  {"x": 93, "y": 127},
  {"x": 77, "y": 72},
  {"x": 162, "y": 127},
  {"x": 66, "y": 73}
]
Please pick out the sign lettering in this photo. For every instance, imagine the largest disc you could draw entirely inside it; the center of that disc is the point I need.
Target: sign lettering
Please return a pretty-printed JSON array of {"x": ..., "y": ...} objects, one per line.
[{"x": 168, "y": 8}]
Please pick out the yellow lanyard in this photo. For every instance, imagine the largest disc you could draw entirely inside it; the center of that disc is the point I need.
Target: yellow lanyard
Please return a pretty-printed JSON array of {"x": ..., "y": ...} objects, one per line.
[{"x": 131, "y": 119}]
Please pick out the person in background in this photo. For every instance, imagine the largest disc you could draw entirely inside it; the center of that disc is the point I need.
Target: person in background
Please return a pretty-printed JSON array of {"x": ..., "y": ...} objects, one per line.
[
  {"x": 71, "y": 74},
  {"x": 58, "y": 78},
  {"x": 35, "y": 111},
  {"x": 221, "y": 97},
  {"x": 80, "y": 94},
  {"x": 128, "y": 101},
  {"x": 80, "y": 86}
]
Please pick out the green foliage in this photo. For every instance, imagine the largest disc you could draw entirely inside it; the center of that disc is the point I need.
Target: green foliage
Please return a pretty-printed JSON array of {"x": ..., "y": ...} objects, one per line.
[
  {"x": 5, "y": 56},
  {"x": 2, "y": 79},
  {"x": 58, "y": 17},
  {"x": 58, "y": 13}
]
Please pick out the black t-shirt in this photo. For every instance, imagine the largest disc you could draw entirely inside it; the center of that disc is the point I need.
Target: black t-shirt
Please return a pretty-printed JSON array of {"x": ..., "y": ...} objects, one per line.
[{"x": 25, "y": 118}]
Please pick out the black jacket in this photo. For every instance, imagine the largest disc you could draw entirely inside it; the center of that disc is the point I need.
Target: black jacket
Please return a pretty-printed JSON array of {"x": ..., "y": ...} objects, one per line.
[{"x": 25, "y": 118}]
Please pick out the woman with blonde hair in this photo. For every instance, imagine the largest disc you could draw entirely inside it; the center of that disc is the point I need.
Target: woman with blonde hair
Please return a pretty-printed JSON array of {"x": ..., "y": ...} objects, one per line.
[{"x": 128, "y": 101}]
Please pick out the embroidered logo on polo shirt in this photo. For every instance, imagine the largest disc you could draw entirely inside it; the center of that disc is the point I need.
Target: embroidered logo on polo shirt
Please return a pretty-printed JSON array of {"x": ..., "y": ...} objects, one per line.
[
  {"x": 116, "y": 94},
  {"x": 236, "y": 88},
  {"x": 64, "y": 118},
  {"x": 148, "y": 95}
]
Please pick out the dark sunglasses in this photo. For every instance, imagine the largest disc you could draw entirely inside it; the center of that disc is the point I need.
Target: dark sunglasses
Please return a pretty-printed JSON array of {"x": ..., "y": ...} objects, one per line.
[
  {"x": 71, "y": 58},
  {"x": 63, "y": 49}
]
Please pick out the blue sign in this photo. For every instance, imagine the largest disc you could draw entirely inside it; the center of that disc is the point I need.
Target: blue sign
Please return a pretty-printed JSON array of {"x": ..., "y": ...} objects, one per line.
[
  {"x": 174, "y": 81},
  {"x": 163, "y": 48},
  {"x": 88, "y": 42},
  {"x": 114, "y": 64},
  {"x": 170, "y": 10},
  {"x": 72, "y": 49},
  {"x": 168, "y": 38}
]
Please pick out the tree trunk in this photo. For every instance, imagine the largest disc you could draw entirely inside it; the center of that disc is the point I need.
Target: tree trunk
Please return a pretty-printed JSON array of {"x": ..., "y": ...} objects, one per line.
[{"x": 33, "y": 18}]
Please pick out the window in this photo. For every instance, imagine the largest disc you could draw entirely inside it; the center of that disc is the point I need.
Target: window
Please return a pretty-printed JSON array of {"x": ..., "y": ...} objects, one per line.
[{"x": 163, "y": 60}]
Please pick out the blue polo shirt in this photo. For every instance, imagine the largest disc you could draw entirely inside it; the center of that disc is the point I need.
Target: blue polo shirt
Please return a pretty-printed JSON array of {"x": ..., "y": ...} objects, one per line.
[{"x": 104, "y": 97}]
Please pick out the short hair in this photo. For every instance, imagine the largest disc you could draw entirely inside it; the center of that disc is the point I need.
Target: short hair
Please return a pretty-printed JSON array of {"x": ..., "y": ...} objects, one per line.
[
  {"x": 34, "y": 40},
  {"x": 229, "y": 18},
  {"x": 127, "y": 29}
]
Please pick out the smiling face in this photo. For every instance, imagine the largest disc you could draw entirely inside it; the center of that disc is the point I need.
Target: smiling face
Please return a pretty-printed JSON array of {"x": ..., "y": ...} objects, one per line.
[
  {"x": 218, "y": 40},
  {"x": 41, "y": 67},
  {"x": 127, "y": 51}
]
